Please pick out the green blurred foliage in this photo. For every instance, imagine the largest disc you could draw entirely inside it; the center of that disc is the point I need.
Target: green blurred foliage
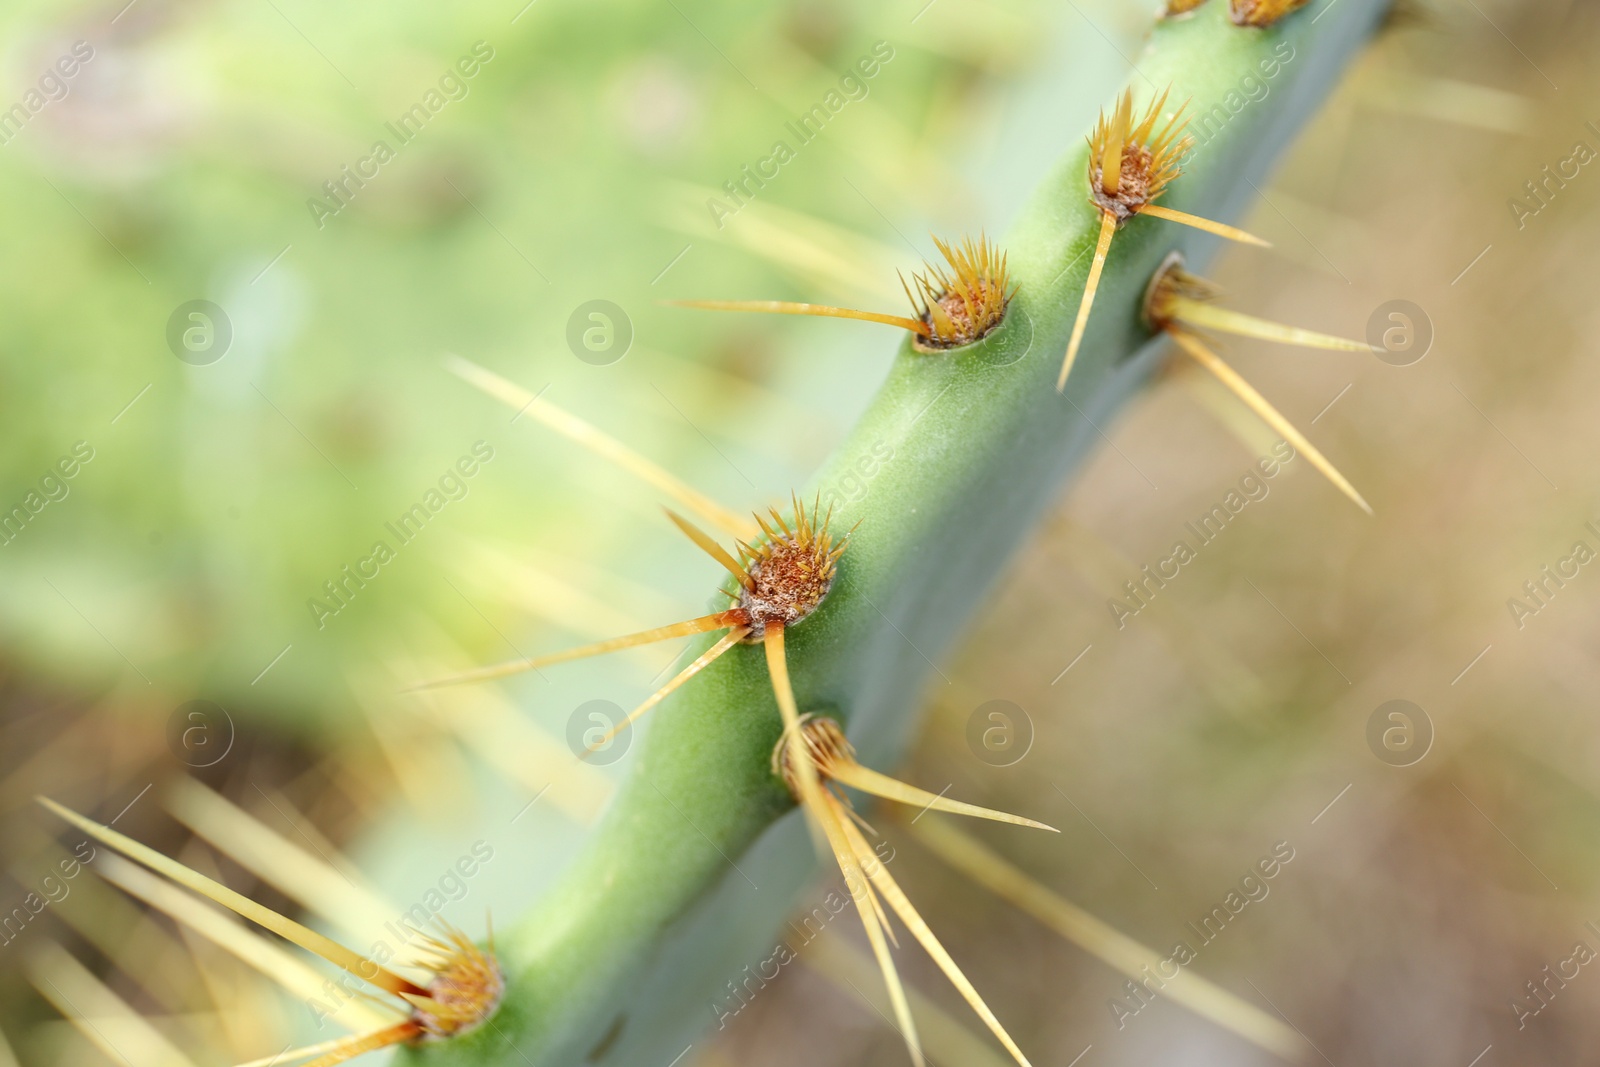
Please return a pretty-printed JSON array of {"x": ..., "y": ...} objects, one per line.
[{"x": 181, "y": 164}]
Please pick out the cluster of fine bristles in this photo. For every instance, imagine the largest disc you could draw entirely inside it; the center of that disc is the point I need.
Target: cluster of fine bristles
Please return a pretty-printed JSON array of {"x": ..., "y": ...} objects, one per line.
[
  {"x": 1261, "y": 12},
  {"x": 1255, "y": 13},
  {"x": 462, "y": 991},
  {"x": 953, "y": 307},
  {"x": 788, "y": 571},
  {"x": 1172, "y": 289},
  {"x": 962, "y": 305},
  {"x": 1131, "y": 165},
  {"x": 465, "y": 990},
  {"x": 783, "y": 575},
  {"x": 824, "y": 743}
]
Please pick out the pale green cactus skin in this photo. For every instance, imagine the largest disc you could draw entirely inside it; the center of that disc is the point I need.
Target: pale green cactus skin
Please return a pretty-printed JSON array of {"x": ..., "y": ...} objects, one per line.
[{"x": 622, "y": 961}]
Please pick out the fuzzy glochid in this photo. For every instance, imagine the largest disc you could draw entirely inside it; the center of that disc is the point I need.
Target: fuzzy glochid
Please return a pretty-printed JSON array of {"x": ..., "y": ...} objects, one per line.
[
  {"x": 1169, "y": 286},
  {"x": 963, "y": 304},
  {"x": 1131, "y": 165},
  {"x": 788, "y": 572},
  {"x": 1252, "y": 13},
  {"x": 465, "y": 989},
  {"x": 953, "y": 305},
  {"x": 1258, "y": 13},
  {"x": 824, "y": 742}
]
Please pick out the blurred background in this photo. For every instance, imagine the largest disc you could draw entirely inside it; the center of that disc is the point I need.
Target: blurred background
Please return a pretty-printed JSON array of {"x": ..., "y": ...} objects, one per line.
[{"x": 223, "y": 382}]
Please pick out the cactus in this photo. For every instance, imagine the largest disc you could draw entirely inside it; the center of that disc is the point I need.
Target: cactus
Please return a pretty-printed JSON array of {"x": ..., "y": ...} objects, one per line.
[{"x": 700, "y": 856}]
